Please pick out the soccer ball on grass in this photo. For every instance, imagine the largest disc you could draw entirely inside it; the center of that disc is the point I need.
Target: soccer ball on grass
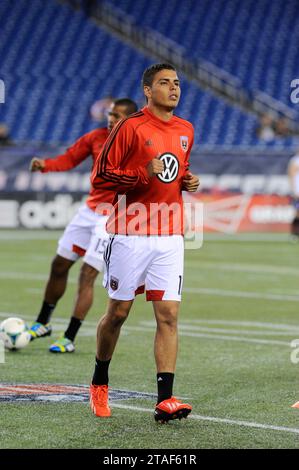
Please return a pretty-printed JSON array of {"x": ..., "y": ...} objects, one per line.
[{"x": 14, "y": 333}]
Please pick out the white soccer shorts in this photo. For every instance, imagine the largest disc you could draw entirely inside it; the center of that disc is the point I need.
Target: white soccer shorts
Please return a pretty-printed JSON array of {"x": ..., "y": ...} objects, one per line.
[
  {"x": 85, "y": 236},
  {"x": 153, "y": 264}
]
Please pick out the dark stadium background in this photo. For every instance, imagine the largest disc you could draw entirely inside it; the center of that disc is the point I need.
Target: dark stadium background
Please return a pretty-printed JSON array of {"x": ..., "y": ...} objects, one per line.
[{"x": 238, "y": 61}]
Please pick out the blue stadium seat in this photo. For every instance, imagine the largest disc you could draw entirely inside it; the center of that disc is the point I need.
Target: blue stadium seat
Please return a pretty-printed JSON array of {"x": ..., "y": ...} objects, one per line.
[{"x": 56, "y": 62}]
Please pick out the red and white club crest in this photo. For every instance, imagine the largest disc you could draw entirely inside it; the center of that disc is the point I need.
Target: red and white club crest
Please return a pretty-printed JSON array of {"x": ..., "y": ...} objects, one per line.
[{"x": 184, "y": 142}]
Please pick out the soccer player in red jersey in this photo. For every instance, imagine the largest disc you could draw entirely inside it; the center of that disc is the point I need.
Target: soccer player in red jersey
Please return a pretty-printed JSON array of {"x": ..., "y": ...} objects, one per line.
[
  {"x": 293, "y": 173},
  {"x": 146, "y": 159},
  {"x": 85, "y": 236}
]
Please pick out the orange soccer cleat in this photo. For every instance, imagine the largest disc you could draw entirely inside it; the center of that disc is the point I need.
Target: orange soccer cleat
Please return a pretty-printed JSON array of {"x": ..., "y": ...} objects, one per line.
[
  {"x": 171, "y": 409},
  {"x": 99, "y": 400}
]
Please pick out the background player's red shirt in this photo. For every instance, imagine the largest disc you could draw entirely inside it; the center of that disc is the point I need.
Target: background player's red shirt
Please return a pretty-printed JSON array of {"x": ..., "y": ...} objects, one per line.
[
  {"x": 89, "y": 144},
  {"x": 121, "y": 167}
]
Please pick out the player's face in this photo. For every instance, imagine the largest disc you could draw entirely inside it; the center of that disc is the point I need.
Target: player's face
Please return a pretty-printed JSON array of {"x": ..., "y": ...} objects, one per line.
[
  {"x": 115, "y": 114},
  {"x": 165, "y": 90}
]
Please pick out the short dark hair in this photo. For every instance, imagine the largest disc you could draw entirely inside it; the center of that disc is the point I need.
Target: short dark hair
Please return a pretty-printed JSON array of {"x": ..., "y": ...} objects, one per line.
[
  {"x": 150, "y": 72},
  {"x": 128, "y": 103}
]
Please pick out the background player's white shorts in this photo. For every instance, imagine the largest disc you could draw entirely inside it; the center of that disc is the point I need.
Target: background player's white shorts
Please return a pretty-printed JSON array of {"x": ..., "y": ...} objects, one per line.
[
  {"x": 137, "y": 263},
  {"x": 295, "y": 161},
  {"x": 85, "y": 236}
]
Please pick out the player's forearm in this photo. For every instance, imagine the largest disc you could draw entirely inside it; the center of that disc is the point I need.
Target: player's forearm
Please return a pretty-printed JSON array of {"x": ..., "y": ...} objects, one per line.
[
  {"x": 120, "y": 180},
  {"x": 63, "y": 162}
]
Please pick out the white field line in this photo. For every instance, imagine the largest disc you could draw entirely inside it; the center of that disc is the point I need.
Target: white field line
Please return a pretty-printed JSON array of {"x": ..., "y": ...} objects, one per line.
[
  {"x": 25, "y": 276},
  {"x": 234, "y": 331},
  {"x": 263, "y": 325},
  {"x": 60, "y": 323},
  {"x": 242, "y": 339},
  {"x": 248, "y": 237},
  {"x": 241, "y": 294},
  {"x": 238, "y": 267},
  {"x": 20, "y": 235},
  {"x": 254, "y": 324},
  {"x": 34, "y": 291},
  {"x": 213, "y": 419},
  {"x": 185, "y": 327},
  {"x": 248, "y": 268},
  {"x": 30, "y": 276},
  {"x": 193, "y": 290},
  {"x": 203, "y": 418},
  {"x": 25, "y": 256},
  {"x": 211, "y": 237}
]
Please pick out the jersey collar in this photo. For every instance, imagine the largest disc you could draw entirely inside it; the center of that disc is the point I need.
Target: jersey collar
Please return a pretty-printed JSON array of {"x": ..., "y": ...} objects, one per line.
[{"x": 156, "y": 119}]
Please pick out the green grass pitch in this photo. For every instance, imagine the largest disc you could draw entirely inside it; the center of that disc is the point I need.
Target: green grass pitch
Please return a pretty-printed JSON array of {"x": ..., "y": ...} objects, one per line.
[{"x": 238, "y": 317}]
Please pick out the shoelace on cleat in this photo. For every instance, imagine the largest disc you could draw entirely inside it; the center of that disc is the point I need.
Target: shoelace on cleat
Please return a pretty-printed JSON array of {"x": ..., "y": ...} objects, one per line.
[{"x": 101, "y": 396}]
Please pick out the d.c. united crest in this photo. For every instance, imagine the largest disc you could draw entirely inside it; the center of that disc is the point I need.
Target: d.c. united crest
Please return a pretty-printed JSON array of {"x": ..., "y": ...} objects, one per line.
[
  {"x": 113, "y": 283},
  {"x": 184, "y": 142}
]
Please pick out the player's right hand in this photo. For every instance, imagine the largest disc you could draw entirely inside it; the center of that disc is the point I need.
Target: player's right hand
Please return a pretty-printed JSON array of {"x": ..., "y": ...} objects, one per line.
[
  {"x": 37, "y": 164},
  {"x": 155, "y": 167}
]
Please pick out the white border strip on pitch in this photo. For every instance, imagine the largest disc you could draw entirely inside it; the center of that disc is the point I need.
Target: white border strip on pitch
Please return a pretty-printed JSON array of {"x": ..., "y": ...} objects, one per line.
[
  {"x": 21, "y": 235},
  {"x": 30, "y": 276},
  {"x": 241, "y": 294},
  {"x": 244, "y": 267},
  {"x": 221, "y": 337},
  {"x": 192, "y": 290},
  {"x": 201, "y": 326},
  {"x": 44, "y": 234},
  {"x": 248, "y": 237},
  {"x": 248, "y": 424},
  {"x": 149, "y": 329},
  {"x": 255, "y": 324},
  {"x": 186, "y": 322}
]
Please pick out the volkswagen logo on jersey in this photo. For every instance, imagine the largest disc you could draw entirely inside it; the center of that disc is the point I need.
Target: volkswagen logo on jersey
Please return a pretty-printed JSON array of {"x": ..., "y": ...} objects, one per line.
[{"x": 171, "y": 168}]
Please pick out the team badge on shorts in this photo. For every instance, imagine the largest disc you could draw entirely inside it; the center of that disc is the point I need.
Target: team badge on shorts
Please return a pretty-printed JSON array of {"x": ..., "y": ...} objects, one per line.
[
  {"x": 113, "y": 283},
  {"x": 184, "y": 142}
]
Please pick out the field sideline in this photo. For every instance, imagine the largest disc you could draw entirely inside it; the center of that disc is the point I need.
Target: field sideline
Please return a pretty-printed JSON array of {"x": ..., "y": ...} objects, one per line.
[{"x": 238, "y": 317}]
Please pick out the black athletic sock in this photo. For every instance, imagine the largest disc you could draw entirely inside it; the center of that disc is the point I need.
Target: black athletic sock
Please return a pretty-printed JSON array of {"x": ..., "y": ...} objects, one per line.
[
  {"x": 73, "y": 328},
  {"x": 45, "y": 313},
  {"x": 295, "y": 226},
  {"x": 100, "y": 376},
  {"x": 165, "y": 384}
]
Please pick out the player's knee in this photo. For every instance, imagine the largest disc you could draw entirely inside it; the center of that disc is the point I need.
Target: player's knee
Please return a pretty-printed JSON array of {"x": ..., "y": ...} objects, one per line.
[
  {"x": 60, "y": 266},
  {"x": 88, "y": 275},
  {"x": 118, "y": 312},
  {"x": 168, "y": 317}
]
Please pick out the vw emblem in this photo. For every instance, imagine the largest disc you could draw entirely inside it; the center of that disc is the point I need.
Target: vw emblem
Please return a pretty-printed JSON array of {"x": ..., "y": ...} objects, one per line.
[{"x": 171, "y": 168}]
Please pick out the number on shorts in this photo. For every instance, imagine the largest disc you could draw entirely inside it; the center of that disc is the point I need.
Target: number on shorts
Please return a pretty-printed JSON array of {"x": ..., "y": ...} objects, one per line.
[
  {"x": 101, "y": 245},
  {"x": 180, "y": 284}
]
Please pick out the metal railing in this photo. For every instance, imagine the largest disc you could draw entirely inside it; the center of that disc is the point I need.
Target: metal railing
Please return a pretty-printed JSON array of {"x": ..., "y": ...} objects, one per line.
[{"x": 207, "y": 75}]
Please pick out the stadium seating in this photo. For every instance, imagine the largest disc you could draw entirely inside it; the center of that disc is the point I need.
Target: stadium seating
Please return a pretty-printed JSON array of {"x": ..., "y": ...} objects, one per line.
[
  {"x": 225, "y": 33},
  {"x": 56, "y": 62}
]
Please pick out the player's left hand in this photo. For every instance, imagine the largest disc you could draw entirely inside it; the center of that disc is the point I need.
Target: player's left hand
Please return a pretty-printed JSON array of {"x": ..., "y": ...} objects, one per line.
[
  {"x": 37, "y": 164},
  {"x": 190, "y": 182}
]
